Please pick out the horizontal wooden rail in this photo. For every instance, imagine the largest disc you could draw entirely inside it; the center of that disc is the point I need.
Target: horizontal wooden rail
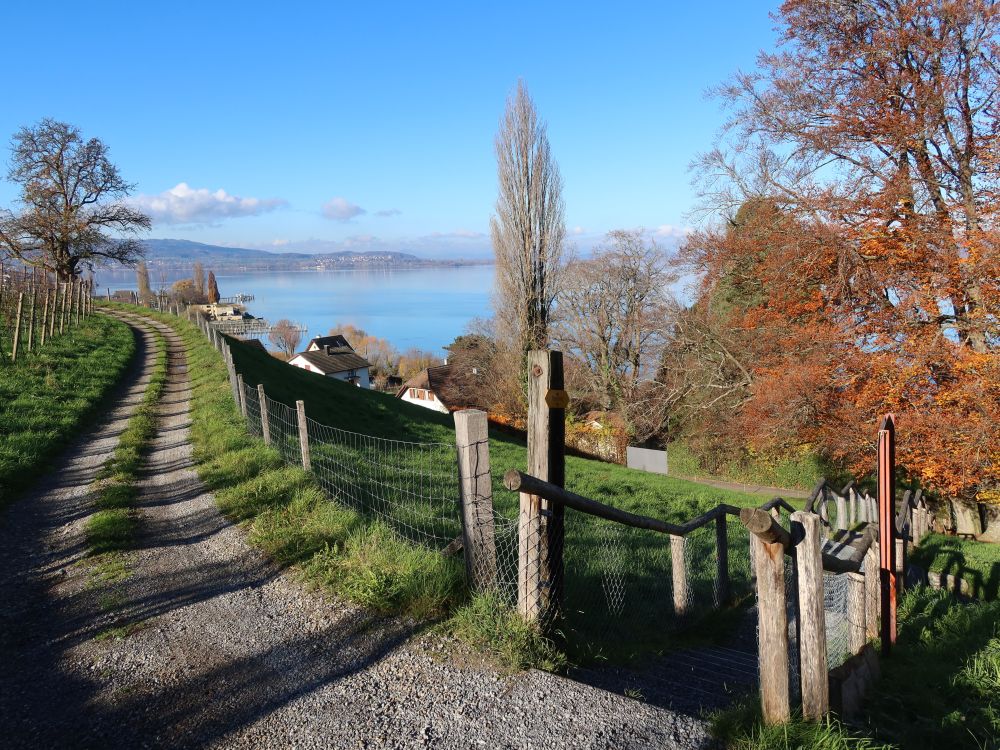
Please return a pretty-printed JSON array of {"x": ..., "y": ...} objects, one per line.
[{"x": 765, "y": 527}]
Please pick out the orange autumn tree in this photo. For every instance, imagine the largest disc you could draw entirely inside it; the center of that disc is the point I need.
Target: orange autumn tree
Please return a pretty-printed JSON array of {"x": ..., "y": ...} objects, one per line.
[{"x": 870, "y": 281}]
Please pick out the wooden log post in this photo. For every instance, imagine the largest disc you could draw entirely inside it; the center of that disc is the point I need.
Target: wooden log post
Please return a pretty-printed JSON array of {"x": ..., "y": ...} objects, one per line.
[
  {"x": 265, "y": 416},
  {"x": 812, "y": 617},
  {"x": 233, "y": 382},
  {"x": 856, "y": 612},
  {"x": 45, "y": 320},
  {"x": 300, "y": 413},
  {"x": 65, "y": 306},
  {"x": 79, "y": 301},
  {"x": 767, "y": 549},
  {"x": 243, "y": 398},
  {"x": 843, "y": 522},
  {"x": 873, "y": 606},
  {"x": 476, "y": 488},
  {"x": 31, "y": 314},
  {"x": 678, "y": 574},
  {"x": 17, "y": 327},
  {"x": 722, "y": 585},
  {"x": 852, "y": 511},
  {"x": 55, "y": 305},
  {"x": 540, "y": 523}
]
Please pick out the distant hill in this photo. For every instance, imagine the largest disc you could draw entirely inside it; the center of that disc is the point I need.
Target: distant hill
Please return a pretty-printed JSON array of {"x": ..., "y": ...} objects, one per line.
[{"x": 167, "y": 253}]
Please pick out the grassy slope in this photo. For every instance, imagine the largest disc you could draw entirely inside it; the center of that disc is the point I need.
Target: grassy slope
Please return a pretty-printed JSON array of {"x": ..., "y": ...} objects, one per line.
[
  {"x": 978, "y": 563},
  {"x": 939, "y": 689},
  {"x": 47, "y": 395}
]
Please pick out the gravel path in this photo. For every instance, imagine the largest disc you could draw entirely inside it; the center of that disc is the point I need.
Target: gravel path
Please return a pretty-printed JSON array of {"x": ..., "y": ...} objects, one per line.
[{"x": 231, "y": 653}]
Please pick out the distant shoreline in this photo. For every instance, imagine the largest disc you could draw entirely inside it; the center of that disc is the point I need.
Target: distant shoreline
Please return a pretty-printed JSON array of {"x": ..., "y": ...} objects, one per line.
[{"x": 184, "y": 264}]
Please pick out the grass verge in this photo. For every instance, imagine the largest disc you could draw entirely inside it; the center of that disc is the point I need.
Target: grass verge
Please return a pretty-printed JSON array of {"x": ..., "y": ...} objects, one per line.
[
  {"x": 48, "y": 394},
  {"x": 939, "y": 689}
]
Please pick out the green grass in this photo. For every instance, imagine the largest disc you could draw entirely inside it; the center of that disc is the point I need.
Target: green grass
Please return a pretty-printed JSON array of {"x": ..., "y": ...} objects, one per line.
[
  {"x": 794, "y": 472},
  {"x": 939, "y": 689},
  {"x": 48, "y": 395},
  {"x": 977, "y": 563}
]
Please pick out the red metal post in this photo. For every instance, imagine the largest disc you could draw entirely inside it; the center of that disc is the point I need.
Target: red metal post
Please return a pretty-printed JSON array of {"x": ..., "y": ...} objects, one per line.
[{"x": 887, "y": 527}]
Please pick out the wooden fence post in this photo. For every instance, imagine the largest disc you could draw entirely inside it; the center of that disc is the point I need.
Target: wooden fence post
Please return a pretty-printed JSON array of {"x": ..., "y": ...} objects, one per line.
[
  {"x": 17, "y": 327},
  {"x": 872, "y": 590},
  {"x": 265, "y": 417},
  {"x": 62, "y": 310},
  {"x": 243, "y": 398},
  {"x": 843, "y": 523},
  {"x": 300, "y": 411},
  {"x": 540, "y": 523},
  {"x": 678, "y": 574},
  {"x": 31, "y": 315},
  {"x": 722, "y": 589},
  {"x": 772, "y": 629},
  {"x": 812, "y": 617},
  {"x": 476, "y": 486},
  {"x": 233, "y": 383},
  {"x": 45, "y": 320},
  {"x": 856, "y": 611}
]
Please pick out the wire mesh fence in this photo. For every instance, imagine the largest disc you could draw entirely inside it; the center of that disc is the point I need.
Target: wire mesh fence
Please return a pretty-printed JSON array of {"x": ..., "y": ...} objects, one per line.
[
  {"x": 411, "y": 486},
  {"x": 838, "y": 642}
]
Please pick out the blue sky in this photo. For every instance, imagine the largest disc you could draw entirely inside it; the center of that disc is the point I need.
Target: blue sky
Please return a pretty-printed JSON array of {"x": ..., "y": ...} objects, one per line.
[{"x": 305, "y": 115}]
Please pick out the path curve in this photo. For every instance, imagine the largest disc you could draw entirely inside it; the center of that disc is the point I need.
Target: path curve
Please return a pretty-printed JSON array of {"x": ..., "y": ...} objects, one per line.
[{"x": 232, "y": 653}]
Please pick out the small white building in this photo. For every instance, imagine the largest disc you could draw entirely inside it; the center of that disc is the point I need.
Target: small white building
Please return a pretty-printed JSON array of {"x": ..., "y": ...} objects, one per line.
[
  {"x": 432, "y": 389},
  {"x": 340, "y": 362}
]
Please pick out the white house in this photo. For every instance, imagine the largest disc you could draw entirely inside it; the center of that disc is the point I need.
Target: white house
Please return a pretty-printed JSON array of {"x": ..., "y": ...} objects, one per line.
[
  {"x": 340, "y": 362},
  {"x": 434, "y": 388}
]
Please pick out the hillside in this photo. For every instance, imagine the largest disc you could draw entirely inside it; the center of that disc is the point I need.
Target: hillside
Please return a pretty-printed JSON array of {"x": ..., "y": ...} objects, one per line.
[
  {"x": 340, "y": 405},
  {"x": 172, "y": 253}
]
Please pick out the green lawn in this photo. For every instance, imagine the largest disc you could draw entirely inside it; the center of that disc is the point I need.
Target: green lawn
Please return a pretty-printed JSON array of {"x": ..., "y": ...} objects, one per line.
[
  {"x": 977, "y": 563},
  {"x": 47, "y": 397},
  {"x": 939, "y": 689}
]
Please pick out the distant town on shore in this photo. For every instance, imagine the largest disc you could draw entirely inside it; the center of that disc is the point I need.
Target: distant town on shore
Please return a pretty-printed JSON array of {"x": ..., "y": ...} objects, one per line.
[{"x": 170, "y": 254}]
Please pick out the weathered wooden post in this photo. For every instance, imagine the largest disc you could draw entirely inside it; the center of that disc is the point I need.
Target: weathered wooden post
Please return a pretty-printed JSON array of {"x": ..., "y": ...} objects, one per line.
[
  {"x": 265, "y": 417},
  {"x": 476, "y": 487},
  {"x": 887, "y": 525},
  {"x": 812, "y": 617},
  {"x": 873, "y": 604},
  {"x": 842, "y": 519},
  {"x": 55, "y": 304},
  {"x": 79, "y": 301},
  {"x": 540, "y": 523},
  {"x": 243, "y": 398},
  {"x": 17, "y": 327},
  {"x": 768, "y": 541},
  {"x": 233, "y": 382},
  {"x": 678, "y": 574},
  {"x": 31, "y": 314},
  {"x": 300, "y": 412},
  {"x": 856, "y": 611},
  {"x": 62, "y": 311},
  {"x": 722, "y": 588},
  {"x": 45, "y": 320}
]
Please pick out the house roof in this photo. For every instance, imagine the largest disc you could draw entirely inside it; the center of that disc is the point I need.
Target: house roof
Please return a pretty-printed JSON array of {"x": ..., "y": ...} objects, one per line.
[
  {"x": 322, "y": 342},
  {"x": 443, "y": 382},
  {"x": 335, "y": 359}
]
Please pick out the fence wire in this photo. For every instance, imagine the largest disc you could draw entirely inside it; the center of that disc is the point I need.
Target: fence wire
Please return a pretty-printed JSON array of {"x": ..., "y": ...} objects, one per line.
[
  {"x": 838, "y": 634},
  {"x": 411, "y": 486}
]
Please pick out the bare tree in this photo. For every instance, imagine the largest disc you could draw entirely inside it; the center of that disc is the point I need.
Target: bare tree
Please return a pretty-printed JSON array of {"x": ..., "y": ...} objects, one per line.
[
  {"x": 528, "y": 230},
  {"x": 285, "y": 336},
  {"x": 71, "y": 195},
  {"x": 614, "y": 315},
  {"x": 142, "y": 280},
  {"x": 199, "y": 277}
]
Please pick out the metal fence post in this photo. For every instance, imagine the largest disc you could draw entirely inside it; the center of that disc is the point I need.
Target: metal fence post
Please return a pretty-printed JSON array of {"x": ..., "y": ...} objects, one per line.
[
  {"x": 887, "y": 527},
  {"x": 476, "y": 486}
]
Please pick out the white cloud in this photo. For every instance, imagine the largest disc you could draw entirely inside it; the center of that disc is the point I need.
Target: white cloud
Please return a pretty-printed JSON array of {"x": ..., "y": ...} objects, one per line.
[
  {"x": 388, "y": 212},
  {"x": 183, "y": 204},
  {"x": 671, "y": 231},
  {"x": 341, "y": 209},
  {"x": 577, "y": 231}
]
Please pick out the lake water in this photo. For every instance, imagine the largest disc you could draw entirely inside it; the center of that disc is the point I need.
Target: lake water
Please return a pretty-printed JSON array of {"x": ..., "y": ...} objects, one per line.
[{"x": 424, "y": 307}]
